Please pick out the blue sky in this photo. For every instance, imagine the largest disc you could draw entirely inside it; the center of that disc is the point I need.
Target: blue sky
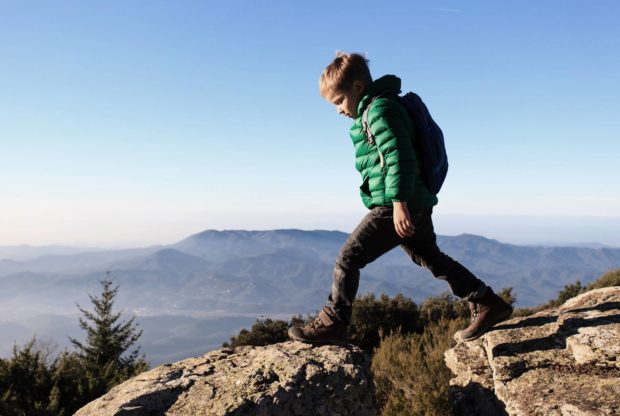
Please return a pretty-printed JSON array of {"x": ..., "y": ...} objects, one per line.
[{"x": 133, "y": 123}]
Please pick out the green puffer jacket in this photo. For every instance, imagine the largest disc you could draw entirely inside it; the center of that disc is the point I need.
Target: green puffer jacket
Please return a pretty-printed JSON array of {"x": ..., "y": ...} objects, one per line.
[{"x": 392, "y": 129}]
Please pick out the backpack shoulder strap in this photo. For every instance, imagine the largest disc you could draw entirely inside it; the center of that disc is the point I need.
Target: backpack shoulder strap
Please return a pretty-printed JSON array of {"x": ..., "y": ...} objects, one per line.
[
  {"x": 365, "y": 124},
  {"x": 366, "y": 128}
]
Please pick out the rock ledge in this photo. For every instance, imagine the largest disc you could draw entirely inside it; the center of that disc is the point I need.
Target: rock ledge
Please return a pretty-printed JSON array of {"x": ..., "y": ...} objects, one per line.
[
  {"x": 560, "y": 361},
  {"x": 289, "y": 378}
]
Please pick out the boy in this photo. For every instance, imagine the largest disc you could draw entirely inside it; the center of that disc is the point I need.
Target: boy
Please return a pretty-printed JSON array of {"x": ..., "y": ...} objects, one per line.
[{"x": 400, "y": 205}]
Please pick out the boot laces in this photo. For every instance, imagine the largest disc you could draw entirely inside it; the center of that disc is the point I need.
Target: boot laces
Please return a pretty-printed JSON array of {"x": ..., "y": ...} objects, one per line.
[
  {"x": 474, "y": 312},
  {"x": 317, "y": 323}
]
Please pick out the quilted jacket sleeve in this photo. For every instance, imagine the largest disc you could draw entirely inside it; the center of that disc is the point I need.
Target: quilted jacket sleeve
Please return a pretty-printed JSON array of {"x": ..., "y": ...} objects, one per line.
[{"x": 392, "y": 129}]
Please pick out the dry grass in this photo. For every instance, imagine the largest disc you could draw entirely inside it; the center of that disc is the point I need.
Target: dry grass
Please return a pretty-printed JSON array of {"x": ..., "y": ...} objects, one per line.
[{"x": 410, "y": 375}]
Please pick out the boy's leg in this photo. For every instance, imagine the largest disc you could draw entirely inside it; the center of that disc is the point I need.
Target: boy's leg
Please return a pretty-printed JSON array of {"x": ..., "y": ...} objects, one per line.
[
  {"x": 374, "y": 236},
  {"x": 486, "y": 307},
  {"x": 422, "y": 249}
]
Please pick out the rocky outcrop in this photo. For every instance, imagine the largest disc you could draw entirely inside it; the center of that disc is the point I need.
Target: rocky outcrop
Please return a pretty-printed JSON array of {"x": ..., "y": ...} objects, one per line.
[
  {"x": 289, "y": 378},
  {"x": 561, "y": 361}
]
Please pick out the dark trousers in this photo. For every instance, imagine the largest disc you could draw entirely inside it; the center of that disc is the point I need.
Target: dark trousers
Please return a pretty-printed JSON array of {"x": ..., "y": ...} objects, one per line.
[{"x": 376, "y": 235}]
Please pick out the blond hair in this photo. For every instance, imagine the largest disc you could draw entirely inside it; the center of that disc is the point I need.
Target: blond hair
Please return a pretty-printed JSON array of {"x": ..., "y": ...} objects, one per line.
[{"x": 340, "y": 74}]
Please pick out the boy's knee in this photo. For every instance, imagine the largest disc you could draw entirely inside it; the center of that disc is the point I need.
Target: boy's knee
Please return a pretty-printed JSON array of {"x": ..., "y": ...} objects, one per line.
[
  {"x": 440, "y": 264},
  {"x": 342, "y": 265},
  {"x": 346, "y": 258}
]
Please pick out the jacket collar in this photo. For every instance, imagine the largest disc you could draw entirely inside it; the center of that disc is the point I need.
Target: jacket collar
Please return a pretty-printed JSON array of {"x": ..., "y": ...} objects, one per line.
[{"x": 385, "y": 84}]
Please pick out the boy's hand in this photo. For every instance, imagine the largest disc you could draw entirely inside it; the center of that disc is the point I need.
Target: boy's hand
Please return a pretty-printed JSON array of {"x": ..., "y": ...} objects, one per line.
[{"x": 402, "y": 220}]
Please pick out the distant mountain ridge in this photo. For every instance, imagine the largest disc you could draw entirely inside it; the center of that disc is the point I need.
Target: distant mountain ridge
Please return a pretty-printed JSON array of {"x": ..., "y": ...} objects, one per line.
[
  {"x": 26, "y": 252},
  {"x": 237, "y": 273},
  {"x": 226, "y": 264}
]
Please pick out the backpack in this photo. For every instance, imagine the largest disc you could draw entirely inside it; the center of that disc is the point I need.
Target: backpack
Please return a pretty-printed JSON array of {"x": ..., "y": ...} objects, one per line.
[{"x": 429, "y": 142}]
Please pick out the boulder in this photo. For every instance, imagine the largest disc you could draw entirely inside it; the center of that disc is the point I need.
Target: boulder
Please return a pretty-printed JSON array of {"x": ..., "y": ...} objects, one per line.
[
  {"x": 289, "y": 378},
  {"x": 560, "y": 361}
]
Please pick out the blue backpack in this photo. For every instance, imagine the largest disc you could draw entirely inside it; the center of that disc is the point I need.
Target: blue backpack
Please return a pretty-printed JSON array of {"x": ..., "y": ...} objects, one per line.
[{"x": 428, "y": 142}]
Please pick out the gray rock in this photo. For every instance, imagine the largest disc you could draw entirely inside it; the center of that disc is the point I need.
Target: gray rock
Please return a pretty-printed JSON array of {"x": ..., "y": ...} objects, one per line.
[
  {"x": 289, "y": 378},
  {"x": 561, "y": 361}
]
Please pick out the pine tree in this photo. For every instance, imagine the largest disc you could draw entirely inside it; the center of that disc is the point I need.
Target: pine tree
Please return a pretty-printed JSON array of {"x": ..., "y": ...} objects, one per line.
[{"x": 107, "y": 341}]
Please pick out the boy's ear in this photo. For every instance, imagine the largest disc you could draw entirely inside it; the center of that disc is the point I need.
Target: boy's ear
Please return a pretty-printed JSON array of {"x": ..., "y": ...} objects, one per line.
[{"x": 358, "y": 86}]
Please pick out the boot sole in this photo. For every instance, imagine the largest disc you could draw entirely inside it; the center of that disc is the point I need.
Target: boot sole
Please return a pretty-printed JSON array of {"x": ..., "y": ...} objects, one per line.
[
  {"x": 318, "y": 342},
  {"x": 501, "y": 318}
]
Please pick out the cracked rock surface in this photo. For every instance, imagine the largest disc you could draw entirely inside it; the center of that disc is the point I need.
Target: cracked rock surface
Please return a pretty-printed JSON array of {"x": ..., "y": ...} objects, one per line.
[
  {"x": 561, "y": 361},
  {"x": 289, "y": 378}
]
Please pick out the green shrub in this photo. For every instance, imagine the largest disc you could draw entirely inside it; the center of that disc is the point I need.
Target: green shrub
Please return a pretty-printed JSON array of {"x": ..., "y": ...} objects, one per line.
[
  {"x": 611, "y": 278},
  {"x": 569, "y": 292},
  {"x": 70, "y": 384},
  {"x": 263, "y": 332},
  {"x": 25, "y": 381},
  {"x": 370, "y": 316},
  {"x": 442, "y": 307},
  {"x": 507, "y": 295}
]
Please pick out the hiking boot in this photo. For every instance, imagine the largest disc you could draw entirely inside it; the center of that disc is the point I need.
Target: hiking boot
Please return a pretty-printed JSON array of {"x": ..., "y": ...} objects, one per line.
[
  {"x": 486, "y": 311},
  {"x": 473, "y": 311},
  {"x": 323, "y": 330}
]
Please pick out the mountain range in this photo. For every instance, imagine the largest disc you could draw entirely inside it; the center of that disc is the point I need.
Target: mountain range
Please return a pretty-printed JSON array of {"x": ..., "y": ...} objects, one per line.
[{"x": 191, "y": 296}]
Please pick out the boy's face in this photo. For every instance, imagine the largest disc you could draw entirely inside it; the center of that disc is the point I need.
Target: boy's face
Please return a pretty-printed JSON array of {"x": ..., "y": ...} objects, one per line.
[{"x": 346, "y": 101}]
